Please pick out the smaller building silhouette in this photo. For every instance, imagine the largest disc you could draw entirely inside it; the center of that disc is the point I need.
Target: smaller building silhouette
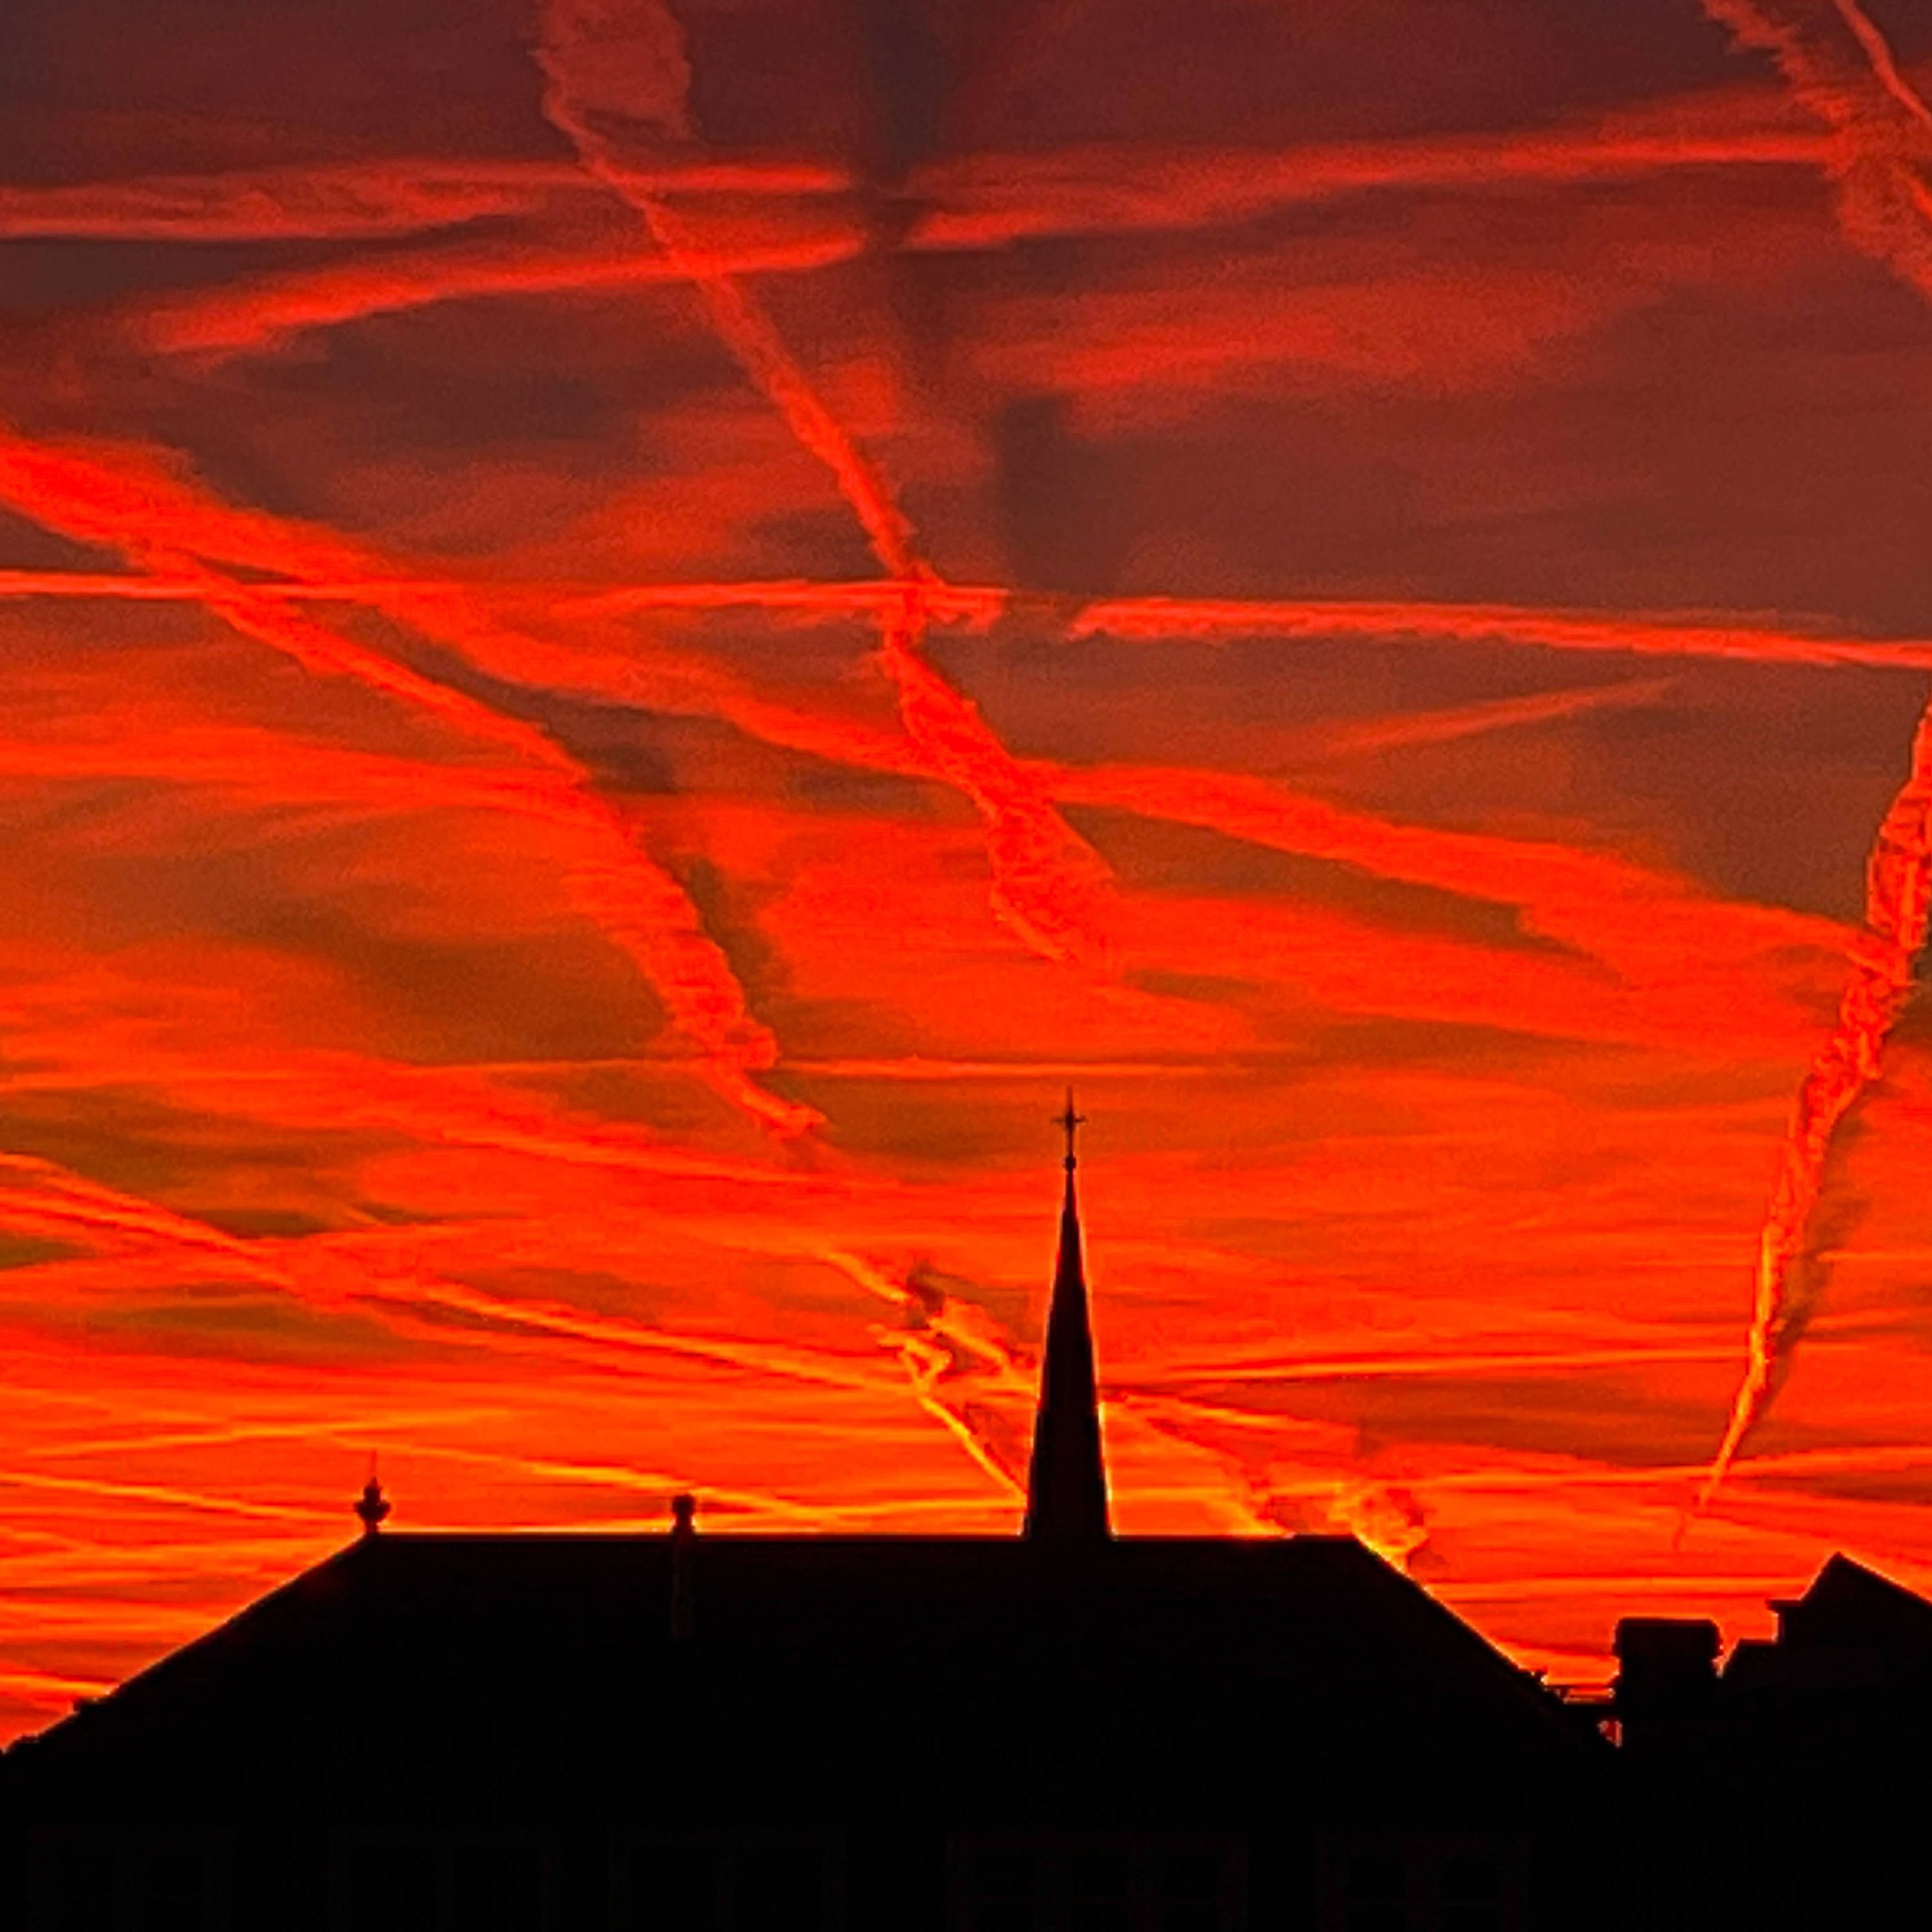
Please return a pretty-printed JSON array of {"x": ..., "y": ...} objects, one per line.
[{"x": 1789, "y": 1787}]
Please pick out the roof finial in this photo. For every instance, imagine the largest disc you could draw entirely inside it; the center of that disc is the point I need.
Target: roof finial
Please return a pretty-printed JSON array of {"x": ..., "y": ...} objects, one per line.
[
  {"x": 1070, "y": 1123},
  {"x": 683, "y": 1583},
  {"x": 372, "y": 1506}
]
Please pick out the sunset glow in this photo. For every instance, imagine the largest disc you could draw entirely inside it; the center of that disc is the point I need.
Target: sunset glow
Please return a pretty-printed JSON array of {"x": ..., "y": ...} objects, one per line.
[{"x": 634, "y": 627}]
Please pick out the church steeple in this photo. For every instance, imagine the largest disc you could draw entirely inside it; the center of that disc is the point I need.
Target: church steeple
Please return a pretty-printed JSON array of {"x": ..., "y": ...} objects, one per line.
[{"x": 1066, "y": 1487}]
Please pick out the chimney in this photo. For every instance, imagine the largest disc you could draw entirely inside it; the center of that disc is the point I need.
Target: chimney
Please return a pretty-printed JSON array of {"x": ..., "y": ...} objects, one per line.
[
  {"x": 683, "y": 1562},
  {"x": 1667, "y": 1675}
]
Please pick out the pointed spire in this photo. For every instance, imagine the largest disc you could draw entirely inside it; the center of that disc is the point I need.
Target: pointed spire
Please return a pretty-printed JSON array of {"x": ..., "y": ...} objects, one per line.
[{"x": 1067, "y": 1489}]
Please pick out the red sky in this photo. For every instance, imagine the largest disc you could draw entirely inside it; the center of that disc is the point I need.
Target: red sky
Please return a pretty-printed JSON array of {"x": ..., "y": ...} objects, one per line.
[{"x": 632, "y": 628}]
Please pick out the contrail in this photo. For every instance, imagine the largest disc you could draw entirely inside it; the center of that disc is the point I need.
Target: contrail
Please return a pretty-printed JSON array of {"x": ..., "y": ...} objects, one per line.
[
  {"x": 331, "y": 573},
  {"x": 929, "y": 1348},
  {"x": 1640, "y": 922},
  {"x": 1046, "y": 881},
  {"x": 640, "y": 906},
  {"x": 1839, "y": 64},
  {"x": 1155, "y": 619},
  {"x": 992, "y": 199},
  {"x": 258, "y": 311},
  {"x": 356, "y": 201},
  {"x": 38, "y": 1196},
  {"x": 1643, "y": 923},
  {"x": 983, "y": 197},
  {"x": 375, "y": 200},
  {"x": 1404, "y": 730},
  {"x": 969, "y": 201},
  {"x": 622, "y": 63},
  {"x": 1898, "y": 903}
]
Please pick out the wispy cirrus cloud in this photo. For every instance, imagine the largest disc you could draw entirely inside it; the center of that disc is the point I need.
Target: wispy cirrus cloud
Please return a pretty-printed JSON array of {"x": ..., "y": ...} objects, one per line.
[{"x": 520, "y": 672}]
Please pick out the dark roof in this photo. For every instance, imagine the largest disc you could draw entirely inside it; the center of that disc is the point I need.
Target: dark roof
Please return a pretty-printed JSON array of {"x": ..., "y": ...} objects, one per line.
[
  {"x": 1848, "y": 1604},
  {"x": 1852, "y": 1634},
  {"x": 411, "y": 1669}
]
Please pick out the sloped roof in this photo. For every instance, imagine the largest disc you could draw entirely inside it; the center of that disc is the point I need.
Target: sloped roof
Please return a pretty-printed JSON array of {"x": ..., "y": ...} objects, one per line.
[
  {"x": 1847, "y": 1603},
  {"x": 497, "y": 1671}
]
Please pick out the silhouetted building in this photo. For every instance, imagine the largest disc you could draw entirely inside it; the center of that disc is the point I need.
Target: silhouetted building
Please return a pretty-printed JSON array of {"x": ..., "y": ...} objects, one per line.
[
  {"x": 1064, "y": 1732},
  {"x": 1667, "y": 1675},
  {"x": 1791, "y": 1787}
]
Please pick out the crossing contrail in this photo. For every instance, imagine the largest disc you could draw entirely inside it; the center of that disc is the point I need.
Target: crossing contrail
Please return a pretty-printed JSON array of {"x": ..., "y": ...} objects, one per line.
[
  {"x": 161, "y": 525},
  {"x": 621, "y": 64},
  {"x": 1840, "y": 66}
]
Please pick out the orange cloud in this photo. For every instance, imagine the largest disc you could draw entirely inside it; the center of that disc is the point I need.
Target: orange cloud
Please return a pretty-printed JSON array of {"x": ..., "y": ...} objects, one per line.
[
  {"x": 643, "y": 908},
  {"x": 463, "y": 778}
]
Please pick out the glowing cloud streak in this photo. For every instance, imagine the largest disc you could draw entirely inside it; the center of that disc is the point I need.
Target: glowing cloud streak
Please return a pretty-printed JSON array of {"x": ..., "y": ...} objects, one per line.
[
  {"x": 1839, "y": 64},
  {"x": 264, "y": 310},
  {"x": 623, "y": 62},
  {"x": 993, "y": 200},
  {"x": 1149, "y": 620},
  {"x": 349, "y": 202},
  {"x": 1646, "y": 924},
  {"x": 928, "y": 1347},
  {"x": 352, "y": 203},
  {"x": 1153, "y": 619},
  {"x": 642, "y": 907},
  {"x": 983, "y": 201},
  {"x": 1898, "y": 909}
]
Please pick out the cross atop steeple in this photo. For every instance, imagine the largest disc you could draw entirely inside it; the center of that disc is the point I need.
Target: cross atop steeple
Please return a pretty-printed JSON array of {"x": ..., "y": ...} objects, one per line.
[
  {"x": 1070, "y": 1123},
  {"x": 1067, "y": 1486}
]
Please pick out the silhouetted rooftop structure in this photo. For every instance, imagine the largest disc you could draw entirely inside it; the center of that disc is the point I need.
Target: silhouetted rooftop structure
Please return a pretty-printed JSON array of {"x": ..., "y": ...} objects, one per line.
[
  {"x": 1284, "y": 1709},
  {"x": 1066, "y": 1485},
  {"x": 372, "y": 1506},
  {"x": 1852, "y": 1629},
  {"x": 1786, "y": 1789},
  {"x": 1064, "y": 1732}
]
